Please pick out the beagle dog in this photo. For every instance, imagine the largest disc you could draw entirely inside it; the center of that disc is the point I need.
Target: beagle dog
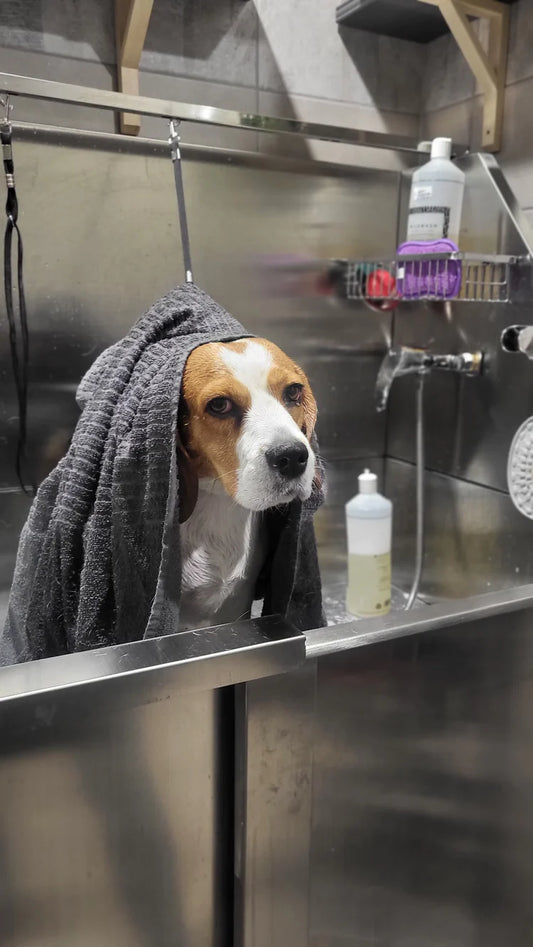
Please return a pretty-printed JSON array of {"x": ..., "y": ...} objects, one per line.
[{"x": 246, "y": 420}]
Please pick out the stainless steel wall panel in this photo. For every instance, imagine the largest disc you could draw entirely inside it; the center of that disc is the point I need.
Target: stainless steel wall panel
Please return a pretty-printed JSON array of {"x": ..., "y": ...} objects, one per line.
[
  {"x": 274, "y": 728},
  {"x": 469, "y": 423},
  {"x": 475, "y": 540},
  {"x": 423, "y": 774},
  {"x": 112, "y": 824},
  {"x": 99, "y": 220}
]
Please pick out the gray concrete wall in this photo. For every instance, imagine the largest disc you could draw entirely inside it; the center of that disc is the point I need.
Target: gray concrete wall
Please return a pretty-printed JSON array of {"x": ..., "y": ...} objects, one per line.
[{"x": 265, "y": 56}]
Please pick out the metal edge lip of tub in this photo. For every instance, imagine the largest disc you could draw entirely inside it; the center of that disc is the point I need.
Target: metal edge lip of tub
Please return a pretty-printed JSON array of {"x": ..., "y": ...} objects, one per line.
[
  {"x": 363, "y": 632},
  {"x": 203, "y": 659}
]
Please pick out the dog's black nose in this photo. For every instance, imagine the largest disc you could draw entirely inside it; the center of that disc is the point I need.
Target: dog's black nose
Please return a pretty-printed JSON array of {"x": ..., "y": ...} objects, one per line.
[{"x": 289, "y": 461}]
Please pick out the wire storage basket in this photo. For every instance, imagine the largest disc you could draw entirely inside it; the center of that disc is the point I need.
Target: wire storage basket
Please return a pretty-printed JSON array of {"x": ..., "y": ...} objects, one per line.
[{"x": 466, "y": 277}]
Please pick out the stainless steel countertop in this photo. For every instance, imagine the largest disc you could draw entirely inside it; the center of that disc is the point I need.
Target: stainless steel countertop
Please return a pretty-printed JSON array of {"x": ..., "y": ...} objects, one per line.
[
  {"x": 247, "y": 650},
  {"x": 399, "y": 624},
  {"x": 189, "y": 661}
]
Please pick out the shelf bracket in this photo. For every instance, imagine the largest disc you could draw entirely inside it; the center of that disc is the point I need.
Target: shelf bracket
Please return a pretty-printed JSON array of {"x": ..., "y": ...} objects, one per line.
[
  {"x": 489, "y": 67},
  {"x": 131, "y": 24}
]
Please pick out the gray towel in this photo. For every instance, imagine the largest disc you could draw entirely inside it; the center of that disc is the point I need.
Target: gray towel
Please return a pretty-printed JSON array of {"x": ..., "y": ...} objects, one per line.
[{"x": 99, "y": 556}]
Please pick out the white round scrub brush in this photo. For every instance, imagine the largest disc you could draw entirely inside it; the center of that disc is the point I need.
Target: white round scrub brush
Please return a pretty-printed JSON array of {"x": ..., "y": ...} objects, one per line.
[{"x": 520, "y": 469}]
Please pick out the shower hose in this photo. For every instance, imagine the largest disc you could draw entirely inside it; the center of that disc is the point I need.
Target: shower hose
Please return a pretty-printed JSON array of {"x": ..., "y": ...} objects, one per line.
[{"x": 419, "y": 556}]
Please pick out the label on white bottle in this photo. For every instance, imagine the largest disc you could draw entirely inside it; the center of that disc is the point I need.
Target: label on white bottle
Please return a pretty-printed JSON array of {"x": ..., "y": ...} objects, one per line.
[
  {"x": 428, "y": 223},
  {"x": 422, "y": 191},
  {"x": 369, "y": 585}
]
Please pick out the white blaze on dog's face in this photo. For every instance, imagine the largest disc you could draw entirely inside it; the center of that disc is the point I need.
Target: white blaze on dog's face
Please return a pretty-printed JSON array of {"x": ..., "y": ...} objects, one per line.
[{"x": 249, "y": 414}]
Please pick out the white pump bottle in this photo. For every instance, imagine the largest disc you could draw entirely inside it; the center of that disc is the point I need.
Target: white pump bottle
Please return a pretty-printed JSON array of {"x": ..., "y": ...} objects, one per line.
[
  {"x": 436, "y": 199},
  {"x": 369, "y": 531}
]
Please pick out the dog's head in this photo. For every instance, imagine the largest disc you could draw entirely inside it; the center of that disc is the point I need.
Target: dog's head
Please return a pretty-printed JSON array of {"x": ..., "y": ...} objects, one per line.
[{"x": 246, "y": 419}]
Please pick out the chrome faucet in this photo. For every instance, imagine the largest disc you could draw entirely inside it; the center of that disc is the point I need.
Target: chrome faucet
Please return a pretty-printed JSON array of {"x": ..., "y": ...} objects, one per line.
[{"x": 410, "y": 361}]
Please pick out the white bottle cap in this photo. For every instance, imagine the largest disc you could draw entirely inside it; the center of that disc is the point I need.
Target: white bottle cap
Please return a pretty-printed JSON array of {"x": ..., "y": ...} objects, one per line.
[
  {"x": 368, "y": 482},
  {"x": 441, "y": 148}
]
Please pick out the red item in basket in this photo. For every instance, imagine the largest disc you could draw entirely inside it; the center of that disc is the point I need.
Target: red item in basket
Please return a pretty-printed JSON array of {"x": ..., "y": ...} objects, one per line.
[{"x": 381, "y": 291}]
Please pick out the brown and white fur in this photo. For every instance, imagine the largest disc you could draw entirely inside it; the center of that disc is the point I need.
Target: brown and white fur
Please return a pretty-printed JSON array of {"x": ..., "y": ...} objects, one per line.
[{"x": 246, "y": 420}]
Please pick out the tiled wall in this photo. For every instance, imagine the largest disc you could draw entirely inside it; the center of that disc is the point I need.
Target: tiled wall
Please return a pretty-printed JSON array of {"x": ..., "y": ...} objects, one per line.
[
  {"x": 269, "y": 56},
  {"x": 453, "y": 107}
]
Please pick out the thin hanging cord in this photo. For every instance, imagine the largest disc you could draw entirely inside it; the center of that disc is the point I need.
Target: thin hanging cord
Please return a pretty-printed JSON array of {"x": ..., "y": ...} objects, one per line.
[
  {"x": 174, "y": 142},
  {"x": 19, "y": 359}
]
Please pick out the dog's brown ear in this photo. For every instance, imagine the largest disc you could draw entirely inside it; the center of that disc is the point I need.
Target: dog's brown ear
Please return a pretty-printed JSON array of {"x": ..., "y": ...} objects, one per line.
[
  {"x": 188, "y": 480},
  {"x": 310, "y": 412},
  {"x": 188, "y": 484}
]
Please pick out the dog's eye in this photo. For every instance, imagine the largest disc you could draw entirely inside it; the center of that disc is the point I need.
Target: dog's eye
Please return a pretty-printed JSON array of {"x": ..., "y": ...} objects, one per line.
[
  {"x": 293, "y": 394},
  {"x": 220, "y": 407}
]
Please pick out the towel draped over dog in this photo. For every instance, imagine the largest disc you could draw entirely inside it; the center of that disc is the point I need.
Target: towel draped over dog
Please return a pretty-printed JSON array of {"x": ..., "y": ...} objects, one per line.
[{"x": 99, "y": 556}]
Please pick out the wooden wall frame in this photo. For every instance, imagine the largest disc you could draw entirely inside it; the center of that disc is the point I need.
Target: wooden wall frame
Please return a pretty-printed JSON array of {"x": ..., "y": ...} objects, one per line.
[
  {"x": 489, "y": 67},
  {"x": 131, "y": 24}
]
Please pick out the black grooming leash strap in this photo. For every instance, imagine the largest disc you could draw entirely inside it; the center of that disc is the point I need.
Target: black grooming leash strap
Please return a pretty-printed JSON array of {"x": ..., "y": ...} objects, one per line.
[{"x": 19, "y": 359}]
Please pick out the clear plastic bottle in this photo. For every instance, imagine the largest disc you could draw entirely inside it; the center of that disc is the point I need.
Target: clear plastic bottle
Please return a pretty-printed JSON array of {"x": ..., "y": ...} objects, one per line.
[
  {"x": 369, "y": 532},
  {"x": 436, "y": 199}
]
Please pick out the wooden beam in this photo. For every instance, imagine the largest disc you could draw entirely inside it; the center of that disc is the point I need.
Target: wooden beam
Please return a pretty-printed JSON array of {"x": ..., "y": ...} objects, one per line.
[
  {"x": 477, "y": 8},
  {"x": 498, "y": 48},
  {"x": 489, "y": 68},
  {"x": 131, "y": 24}
]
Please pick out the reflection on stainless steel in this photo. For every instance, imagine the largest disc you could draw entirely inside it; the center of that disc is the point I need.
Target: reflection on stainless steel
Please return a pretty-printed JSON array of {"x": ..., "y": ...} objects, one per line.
[
  {"x": 422, "y": 777},
  {"x": 116, "y": 819},
  {"x": 516, "y": 234},
  {"x": 334, "y": 597},
  {"x": 491, "y": 221},
  {"x": 273, "y": 809},
  {"x": 141, "y": 105},
  {"x": 420, "y": 494},
  {"x": 192, "y": 660},
  {"x": 475, "y": 540},
  {"x": 117, "y": 788},
  {"x": 401, "y": 624}
]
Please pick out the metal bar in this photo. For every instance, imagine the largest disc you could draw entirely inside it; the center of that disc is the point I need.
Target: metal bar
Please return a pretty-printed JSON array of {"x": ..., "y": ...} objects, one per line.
[
  {"x": 401, "y": 624},
  {"x": 192, "y": 660},
  {"x": 203, "y": 114}
]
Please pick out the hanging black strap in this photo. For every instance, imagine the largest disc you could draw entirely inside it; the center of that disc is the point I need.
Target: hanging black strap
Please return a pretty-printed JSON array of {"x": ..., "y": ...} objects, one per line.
[{"x": 19, "y": 347}]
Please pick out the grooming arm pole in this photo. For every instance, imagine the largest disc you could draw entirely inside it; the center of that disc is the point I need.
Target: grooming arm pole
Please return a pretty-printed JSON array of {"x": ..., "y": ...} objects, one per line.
[{"x": 175, "y": 154}]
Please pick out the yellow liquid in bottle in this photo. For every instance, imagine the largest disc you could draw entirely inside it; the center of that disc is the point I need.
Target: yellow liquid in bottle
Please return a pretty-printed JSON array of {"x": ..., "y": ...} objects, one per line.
[{"x": 369, "y": 585}]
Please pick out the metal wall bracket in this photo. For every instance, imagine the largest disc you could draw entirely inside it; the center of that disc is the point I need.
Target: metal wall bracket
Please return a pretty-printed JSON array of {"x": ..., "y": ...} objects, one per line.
[
  {"x": 131, "y": 24},
  {"x": 489, "y": 67}
]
